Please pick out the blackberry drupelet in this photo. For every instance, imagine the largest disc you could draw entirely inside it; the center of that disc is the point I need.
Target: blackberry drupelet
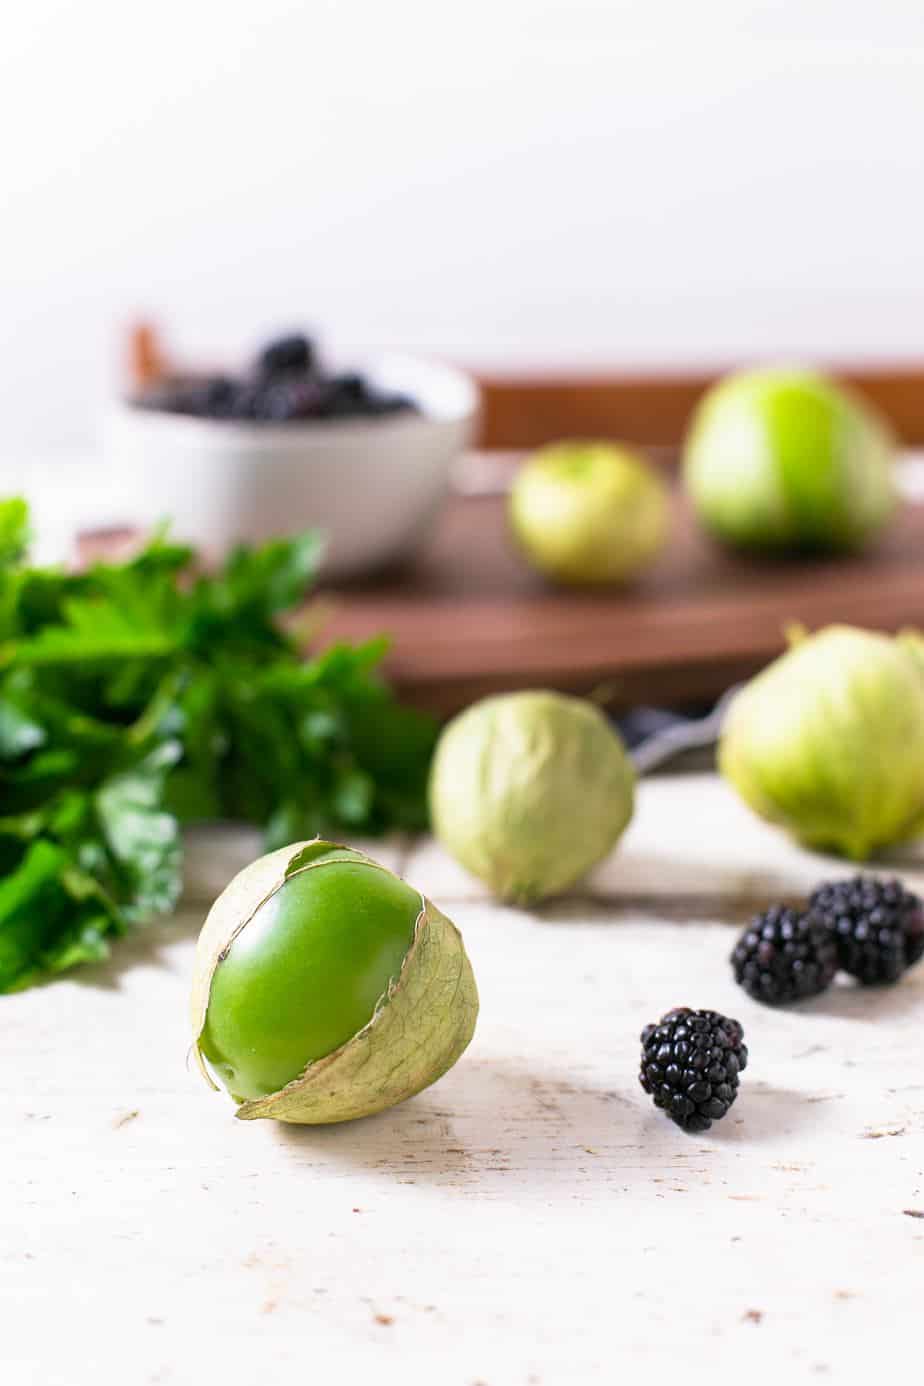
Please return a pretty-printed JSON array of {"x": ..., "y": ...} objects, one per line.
[
  {"x": 877, "y": 926},
  {"x": 784, "y": 956},
  {"x": 690, "y": 1065}
]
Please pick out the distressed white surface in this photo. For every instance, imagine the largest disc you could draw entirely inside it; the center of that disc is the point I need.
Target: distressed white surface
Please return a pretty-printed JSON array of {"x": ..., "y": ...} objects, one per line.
[{"x": 531, "y": 1220}]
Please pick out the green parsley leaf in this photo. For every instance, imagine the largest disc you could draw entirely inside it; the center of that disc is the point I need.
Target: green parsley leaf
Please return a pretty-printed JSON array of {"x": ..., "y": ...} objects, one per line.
[{"x": 136, "y": 697}]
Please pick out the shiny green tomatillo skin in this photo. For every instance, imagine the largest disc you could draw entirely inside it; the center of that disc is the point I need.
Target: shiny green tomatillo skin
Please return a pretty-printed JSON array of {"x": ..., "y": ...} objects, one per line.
[
  {"x": 781, "y": 459},
  {"x": 305, "y": 973}
]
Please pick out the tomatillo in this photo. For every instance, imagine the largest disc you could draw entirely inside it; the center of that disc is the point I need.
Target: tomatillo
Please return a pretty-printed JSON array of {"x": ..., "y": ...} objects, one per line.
[
  {"x": 589, "y": 512},
  {"x": 326, "y": 988},
  {"x": 781, "y": 459},
  {"x": 529, "y": 791},
  {"x": 828, "y": 741}
]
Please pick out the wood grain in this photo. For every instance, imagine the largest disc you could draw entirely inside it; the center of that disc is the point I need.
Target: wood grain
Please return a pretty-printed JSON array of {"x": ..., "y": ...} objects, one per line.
[
  {"x": 525, "y": 411},
  {"x": 468, "y": 617}
]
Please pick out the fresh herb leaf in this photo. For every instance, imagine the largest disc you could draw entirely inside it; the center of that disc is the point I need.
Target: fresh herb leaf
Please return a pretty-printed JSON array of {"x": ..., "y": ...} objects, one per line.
[
  {"x": 19, "y": 733},
  {"x": 14, "y": 530},
  {"x": 141, "y": 839},
  {"x": 136, "y": 697}
]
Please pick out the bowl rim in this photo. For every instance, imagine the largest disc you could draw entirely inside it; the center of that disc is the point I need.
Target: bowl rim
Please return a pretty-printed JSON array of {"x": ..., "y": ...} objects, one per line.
[{"x": 297, "y": 432}]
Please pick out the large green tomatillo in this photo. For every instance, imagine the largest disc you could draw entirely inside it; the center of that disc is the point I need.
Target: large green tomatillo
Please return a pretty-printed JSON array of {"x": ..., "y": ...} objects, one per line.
[
  {"x": 589, "y": 512},
  {"x": 828, "y": 741},
  {"x": 529, "y": 791},
  {"x": 786, "y": 459},
  {"x": 326, "y": 988}
]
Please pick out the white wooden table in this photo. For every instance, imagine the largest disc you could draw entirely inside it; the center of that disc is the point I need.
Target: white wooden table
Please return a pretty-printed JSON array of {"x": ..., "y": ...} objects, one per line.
[{"x": 531, "y": 1220}]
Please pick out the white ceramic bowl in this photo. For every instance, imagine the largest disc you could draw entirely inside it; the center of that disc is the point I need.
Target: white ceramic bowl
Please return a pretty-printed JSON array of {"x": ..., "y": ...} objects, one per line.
[{"x": 370, "y": 485}]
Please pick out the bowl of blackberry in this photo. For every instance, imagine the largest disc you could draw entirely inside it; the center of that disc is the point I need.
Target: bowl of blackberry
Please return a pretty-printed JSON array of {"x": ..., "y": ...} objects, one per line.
[{"x": 288, "y": 443}]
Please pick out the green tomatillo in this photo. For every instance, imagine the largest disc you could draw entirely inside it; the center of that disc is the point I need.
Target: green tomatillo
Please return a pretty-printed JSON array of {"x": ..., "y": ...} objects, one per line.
[
  {"x": 588, "y": 512},
  {"x": 326, "y": 988},
  {"x": 780, "y": 459},
  {"x": 529, "y": 791},
  {"x": 828, "y": 741}
]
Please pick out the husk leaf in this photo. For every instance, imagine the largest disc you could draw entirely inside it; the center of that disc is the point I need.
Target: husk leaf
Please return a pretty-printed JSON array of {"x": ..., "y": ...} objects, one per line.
[{"x": 418, "y": 1030}]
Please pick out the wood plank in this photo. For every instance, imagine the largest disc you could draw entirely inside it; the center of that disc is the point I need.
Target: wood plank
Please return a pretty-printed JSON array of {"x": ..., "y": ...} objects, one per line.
[
  {"x": 468, "y": 617},
  {"x": 524, "y": 411}
]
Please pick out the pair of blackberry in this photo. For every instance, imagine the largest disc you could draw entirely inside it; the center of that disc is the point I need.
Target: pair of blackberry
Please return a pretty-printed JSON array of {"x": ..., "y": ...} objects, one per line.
[{"x": 872, "y": 929}]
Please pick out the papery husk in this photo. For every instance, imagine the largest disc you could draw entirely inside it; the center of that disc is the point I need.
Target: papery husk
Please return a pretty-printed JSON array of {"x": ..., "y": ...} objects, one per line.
[
  {"x": 419, "y": 1028},
  {"x": 828, "y": 741},
  {"x": 529, "y": 791}
]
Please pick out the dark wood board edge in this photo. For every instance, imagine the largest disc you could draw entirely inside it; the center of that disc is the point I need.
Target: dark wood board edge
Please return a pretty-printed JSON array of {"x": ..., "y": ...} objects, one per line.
[{"x": 524, "y": 411}]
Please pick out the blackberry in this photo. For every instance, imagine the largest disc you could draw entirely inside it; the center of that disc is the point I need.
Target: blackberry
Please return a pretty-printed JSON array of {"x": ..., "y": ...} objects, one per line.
[
  {"x": 690, "y": 1065},
  {"x": 345, "y": 396},
  {"x": 209, "y": 397},
  {"x": 294, "y": 353},
  {"x": 213, "y": 398},
  {"x": 288, "y": 383},
  {"x": 286, "y": 399},
  {"x": 876, "y": 926},
  {"x": 352, "y": 396},
  {"x": 177, "y": 395},
  {"x": 380, "y": 404},
  {"x": 784, "y": 956},
  {"x": 248, "y": 401}
]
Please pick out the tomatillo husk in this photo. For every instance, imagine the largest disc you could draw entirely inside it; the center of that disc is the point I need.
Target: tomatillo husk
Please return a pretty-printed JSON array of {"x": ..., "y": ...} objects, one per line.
[
  {"x": 298, "y": 973},
  {"x": 529, "y": 791},
  {"x": 828, "y": 742}
]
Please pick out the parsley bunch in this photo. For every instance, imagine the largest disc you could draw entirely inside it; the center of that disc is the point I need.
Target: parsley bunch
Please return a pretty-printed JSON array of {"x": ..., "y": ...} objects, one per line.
[{"x": 139, "y": 696}]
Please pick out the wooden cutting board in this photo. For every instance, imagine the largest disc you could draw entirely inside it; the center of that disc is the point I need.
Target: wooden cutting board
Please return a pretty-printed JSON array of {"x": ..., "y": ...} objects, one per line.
[{"x": 467, "y": 617}]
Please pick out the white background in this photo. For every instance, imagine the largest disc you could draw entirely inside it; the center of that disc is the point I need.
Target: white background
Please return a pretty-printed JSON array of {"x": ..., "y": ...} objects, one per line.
[{"x": 508, "y": 183}]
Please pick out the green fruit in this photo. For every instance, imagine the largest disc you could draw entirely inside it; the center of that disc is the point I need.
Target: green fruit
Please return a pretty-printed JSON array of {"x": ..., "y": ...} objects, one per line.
[
  {"x": 786, "y": 459},
  {"x": 326, "y": 988},
  {"x": 828, "y": 741},
  {"x": 306, "y": 974},
  {"x": 529, "y": 791},
  {"x": 588, "y": 512}
]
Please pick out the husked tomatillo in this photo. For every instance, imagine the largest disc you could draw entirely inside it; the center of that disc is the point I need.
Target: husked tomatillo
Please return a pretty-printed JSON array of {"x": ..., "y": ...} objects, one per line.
[{"x": 326, "y": 988}]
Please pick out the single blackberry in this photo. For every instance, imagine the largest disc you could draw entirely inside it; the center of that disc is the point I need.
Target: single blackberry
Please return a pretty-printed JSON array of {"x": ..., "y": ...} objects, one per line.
[
  {"x": 201, "y": 396},
  {"x": 214, "y": 397},
  {"x": 690, "y": 1065},
  {"x": 286, "y": 354},
  {"x": 290, "y": 398},
  {"x": 176, "y": 395},
  {"x": 877, "y": 926},
  {"x": 248, "y": 401},
  {"x": 784, "y": 956},
  {"x": 352, "y": 396},
  {"x": 381, "y": 404},
  {"x": 345, "y": 396}
]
